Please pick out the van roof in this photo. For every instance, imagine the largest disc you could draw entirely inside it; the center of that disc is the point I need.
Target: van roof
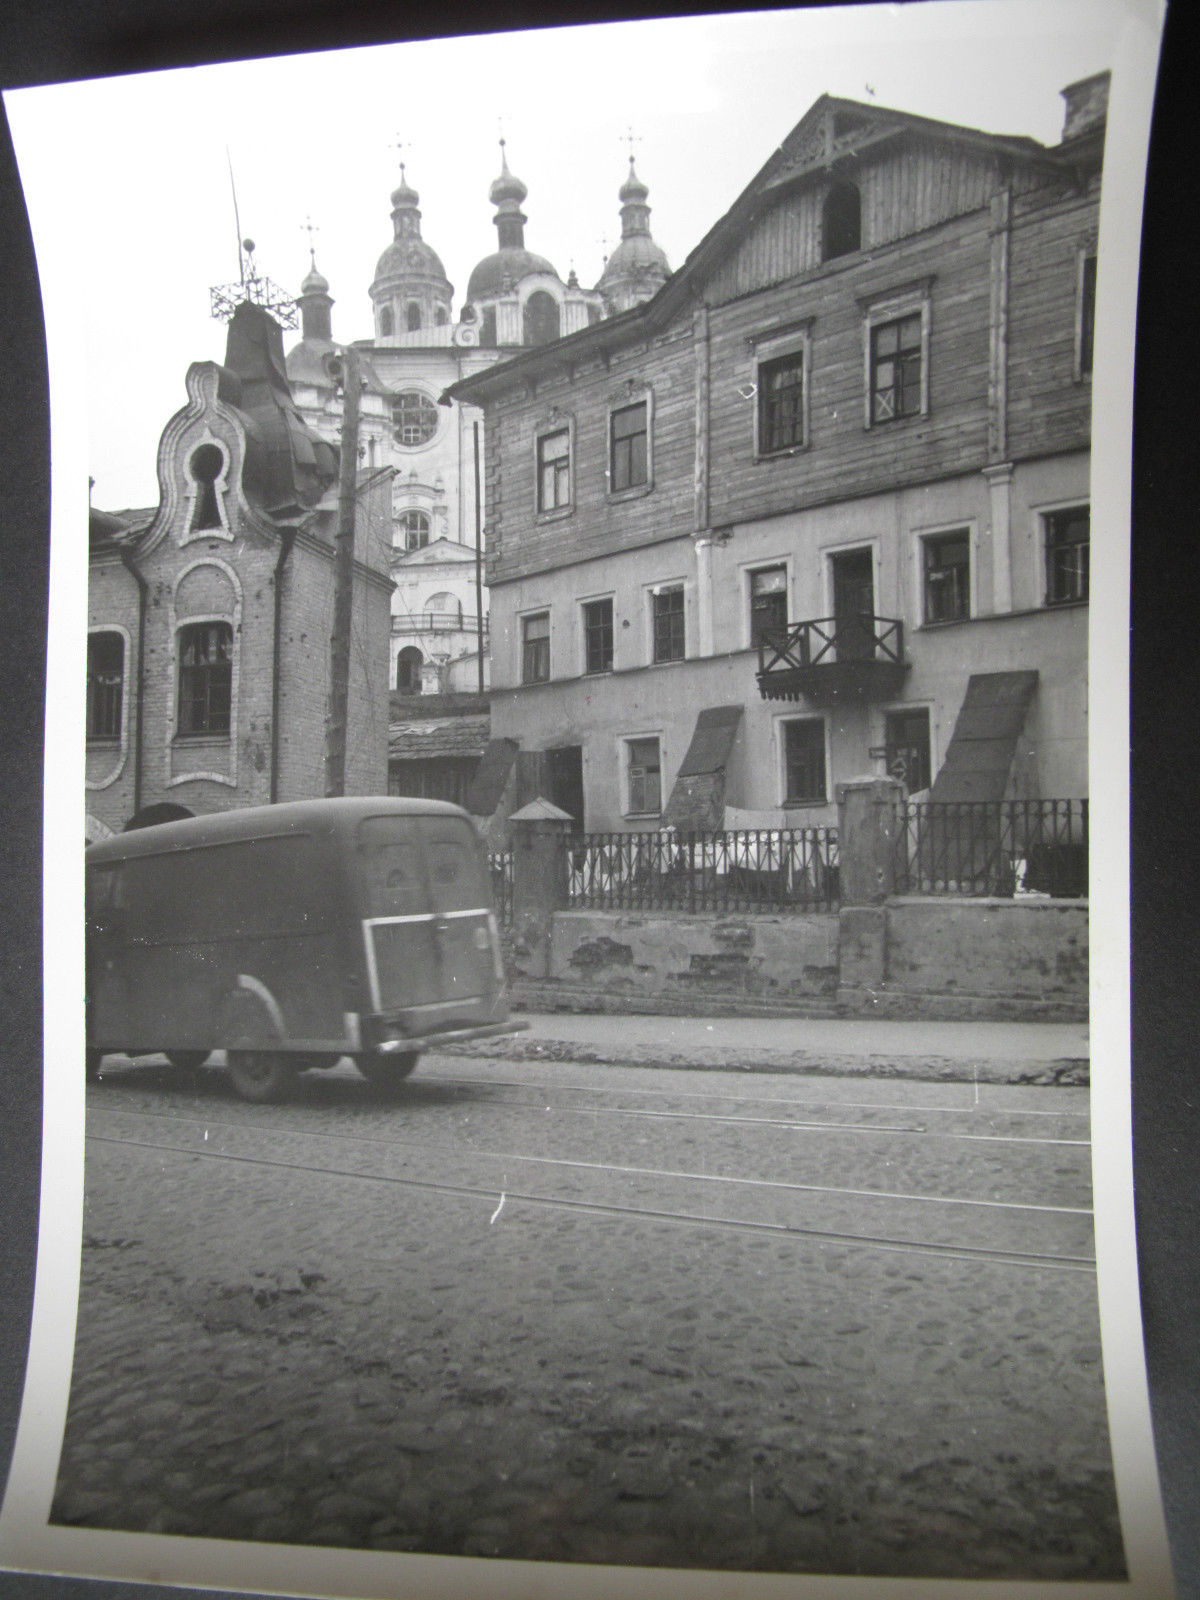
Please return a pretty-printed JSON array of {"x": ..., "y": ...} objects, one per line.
[{"x": 250, "y": 822}]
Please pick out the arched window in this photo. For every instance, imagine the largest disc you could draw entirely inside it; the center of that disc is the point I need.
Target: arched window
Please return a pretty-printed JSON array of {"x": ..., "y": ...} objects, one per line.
[
  {"x": 414, "y": 417},
  {"x": 386, "y": 325},
  {"x": 408, "y": 670},
  {"x": 205, "y": 677},
  {"x": 412, "y": 530},
  {"x": 442, "y": 317},
  {"x": 413, "y": 316},
  {"x": 487, "y": 333},
  {"x": 541, "y": 318},
  {"x": 105, "y": 682},
  {"x": 205, "y": 468},
  {"x": 841, "y": 221}
]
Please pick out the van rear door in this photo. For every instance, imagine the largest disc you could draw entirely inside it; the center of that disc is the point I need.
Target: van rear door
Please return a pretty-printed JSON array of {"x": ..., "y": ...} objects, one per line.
[{"x": 427, "y": 925}]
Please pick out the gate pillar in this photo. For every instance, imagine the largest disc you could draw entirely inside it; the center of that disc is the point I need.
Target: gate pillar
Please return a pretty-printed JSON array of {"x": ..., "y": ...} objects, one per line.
[{"x": 540, "y": 835}]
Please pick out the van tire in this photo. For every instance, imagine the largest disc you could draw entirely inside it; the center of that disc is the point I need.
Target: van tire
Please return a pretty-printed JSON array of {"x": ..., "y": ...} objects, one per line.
[
  {"x": 91, "y": 1064},
  {"x": 386, "y": 1073},
  {"x": 261, "y": 1075}
]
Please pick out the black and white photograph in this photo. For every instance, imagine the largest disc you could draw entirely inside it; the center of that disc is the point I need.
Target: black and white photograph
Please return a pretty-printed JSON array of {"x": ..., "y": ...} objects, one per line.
[{"x": 587, "y": 1028}]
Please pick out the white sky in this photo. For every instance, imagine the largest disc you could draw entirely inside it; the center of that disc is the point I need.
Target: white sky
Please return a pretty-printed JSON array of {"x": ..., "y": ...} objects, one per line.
[{"x": 135, "y": 168}]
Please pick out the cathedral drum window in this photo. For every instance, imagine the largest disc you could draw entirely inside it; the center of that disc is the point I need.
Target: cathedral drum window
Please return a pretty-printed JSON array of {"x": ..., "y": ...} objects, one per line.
[{"x": 414, "y": 418}]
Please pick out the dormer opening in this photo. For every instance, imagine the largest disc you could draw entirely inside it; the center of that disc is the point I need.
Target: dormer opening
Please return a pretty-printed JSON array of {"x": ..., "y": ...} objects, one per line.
[
  {"x": 841, "y": 221},
  {"x": 205, "y": 467}
]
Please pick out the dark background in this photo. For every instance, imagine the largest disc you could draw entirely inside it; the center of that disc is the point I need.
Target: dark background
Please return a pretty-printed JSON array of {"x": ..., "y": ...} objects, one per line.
[{"x": 67, "y": 39}]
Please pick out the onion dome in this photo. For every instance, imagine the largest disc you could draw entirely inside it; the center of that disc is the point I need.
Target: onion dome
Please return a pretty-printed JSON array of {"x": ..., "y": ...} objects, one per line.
[
  {"x": 409, "y": 269},
  {"x": 315, "y": 304},
  {"x": 638, "y": 267},
  {"x": 313, "y": 281},
  {"x": 505, "y": 268}
]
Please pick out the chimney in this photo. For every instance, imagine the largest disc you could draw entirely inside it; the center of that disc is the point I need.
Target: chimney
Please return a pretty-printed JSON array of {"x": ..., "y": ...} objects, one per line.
[{"x": 1086, "y": 105}]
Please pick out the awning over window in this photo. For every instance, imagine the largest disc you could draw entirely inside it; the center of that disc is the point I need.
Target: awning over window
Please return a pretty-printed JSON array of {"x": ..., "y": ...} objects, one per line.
[
  {"x": 493, "y": 774},
  {"x": 697, "y": 799},
  {"x": 979, "y": 758}
]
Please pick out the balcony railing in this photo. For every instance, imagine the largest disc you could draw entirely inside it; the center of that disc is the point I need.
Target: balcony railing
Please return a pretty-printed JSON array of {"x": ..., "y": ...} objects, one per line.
[
  {"x": 438, "y": 622},
  {"x": 832, "y": 658}
]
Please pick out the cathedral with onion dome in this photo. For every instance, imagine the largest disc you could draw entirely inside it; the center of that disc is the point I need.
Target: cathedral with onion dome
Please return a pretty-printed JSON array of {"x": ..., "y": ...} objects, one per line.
[{"x": 420, "y": 346}]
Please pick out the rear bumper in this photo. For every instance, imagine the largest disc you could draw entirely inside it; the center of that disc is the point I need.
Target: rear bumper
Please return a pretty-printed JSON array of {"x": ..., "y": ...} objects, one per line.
[{"x": 429, "y": 1041}]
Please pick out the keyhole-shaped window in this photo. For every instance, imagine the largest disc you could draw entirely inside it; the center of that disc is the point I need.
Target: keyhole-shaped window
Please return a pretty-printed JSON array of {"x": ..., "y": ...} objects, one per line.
[{"x": 205, "y": 467}]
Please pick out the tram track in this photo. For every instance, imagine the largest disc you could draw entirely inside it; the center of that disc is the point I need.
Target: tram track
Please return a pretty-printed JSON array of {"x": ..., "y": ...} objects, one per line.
[
  {"x": 511, "y": 1197},
  {"x": 531, "y": 1096},
  {"x": 202, "y": 1137}
]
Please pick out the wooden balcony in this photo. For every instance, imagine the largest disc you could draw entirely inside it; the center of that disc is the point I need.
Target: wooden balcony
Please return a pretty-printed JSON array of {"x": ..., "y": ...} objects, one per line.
[{"x": 833, "y": 659}]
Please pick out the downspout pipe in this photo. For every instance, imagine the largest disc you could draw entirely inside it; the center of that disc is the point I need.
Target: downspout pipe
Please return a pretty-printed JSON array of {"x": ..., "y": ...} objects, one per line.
[
  {"x": 139, "y": 691},
  {"x": 287, "y": 540}
]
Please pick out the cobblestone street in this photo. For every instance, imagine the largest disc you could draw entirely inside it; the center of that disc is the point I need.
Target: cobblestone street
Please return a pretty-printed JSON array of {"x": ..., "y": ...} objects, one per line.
[{"x": 602, "y": 1314}]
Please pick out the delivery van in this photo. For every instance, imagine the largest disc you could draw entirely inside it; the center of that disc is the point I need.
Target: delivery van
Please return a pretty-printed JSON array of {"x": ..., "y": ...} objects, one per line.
[{"x": 290, "y": 936}]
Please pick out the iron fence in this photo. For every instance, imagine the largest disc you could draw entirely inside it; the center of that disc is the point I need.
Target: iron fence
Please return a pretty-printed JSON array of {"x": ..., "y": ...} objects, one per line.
[
  {"x": 1003, "y": 848},
  {"x": 788, "y": 869},
  {"x": 500, "y": 866}
]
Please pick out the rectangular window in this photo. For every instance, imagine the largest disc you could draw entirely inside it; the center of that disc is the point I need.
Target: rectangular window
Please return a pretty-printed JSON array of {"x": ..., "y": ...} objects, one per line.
[
  {"x": 105, "y": 684},
  {"x": 598, "y": 636},
  {"x": 804, "y": 762},
  {"x": 667, "y": 611},
  {"x": 896, "y": 369},
  {"x": 768, "y": 602},
  {"x": 1087, "y": 314},
  {"x": 781, "y": 404},
  {"x": 1068, "y": 536},
  {"x": 554, "y": 470},
  {"x": 628, "y": 459},
  {"x": 535, "y": 648},
  {"x": 644, "y": 777},
  {"x": 947, "y": 576},
  {"x": 906, "y": 737},
  {"x": 205, "y": 677}
]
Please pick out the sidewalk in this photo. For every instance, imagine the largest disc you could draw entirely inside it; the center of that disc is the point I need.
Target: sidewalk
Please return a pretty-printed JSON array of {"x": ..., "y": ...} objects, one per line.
[{"x": 996, "y": 1052}]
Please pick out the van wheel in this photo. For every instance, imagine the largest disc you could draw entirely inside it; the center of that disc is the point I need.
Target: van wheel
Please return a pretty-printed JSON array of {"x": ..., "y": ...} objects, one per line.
[
  {"x": 92, "y": 1060},
  {"x": 260, "y": 1075},
  {"x": 187, "y": 1060},
  {"x": 386, "y": 1073}
]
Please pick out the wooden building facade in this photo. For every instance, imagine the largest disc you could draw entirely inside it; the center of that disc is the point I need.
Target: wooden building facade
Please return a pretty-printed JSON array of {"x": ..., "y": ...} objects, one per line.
[{"x": 766, "y": 531}]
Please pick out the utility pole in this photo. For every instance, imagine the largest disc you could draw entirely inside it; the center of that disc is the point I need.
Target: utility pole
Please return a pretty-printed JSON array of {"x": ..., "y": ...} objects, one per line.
[
  {"x": 478, "y": 560},
  {"x": 345, "y": 368}
]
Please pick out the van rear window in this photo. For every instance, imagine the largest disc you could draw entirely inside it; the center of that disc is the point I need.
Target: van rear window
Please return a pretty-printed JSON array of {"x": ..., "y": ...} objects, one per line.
[
  {"x": 254, "y": 888},
  {"x": 414, "y": 865}
]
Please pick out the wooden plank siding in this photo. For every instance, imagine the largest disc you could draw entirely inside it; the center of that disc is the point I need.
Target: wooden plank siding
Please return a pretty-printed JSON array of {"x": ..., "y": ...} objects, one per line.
[
  {"x": 519, "y": 540},
  {"x": 843, "y": 457},
  {"x": 901, "y": 195},
  {"x": 964, "y": 227},
  {"x": 1048, "y": 409}
]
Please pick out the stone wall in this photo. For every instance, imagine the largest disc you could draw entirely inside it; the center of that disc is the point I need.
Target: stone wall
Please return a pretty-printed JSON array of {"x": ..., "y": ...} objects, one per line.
[
  {"x": 1030, "y": 951},
  {"x": 774, "y": 959},
  {"x": 953, "y": 959}
]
